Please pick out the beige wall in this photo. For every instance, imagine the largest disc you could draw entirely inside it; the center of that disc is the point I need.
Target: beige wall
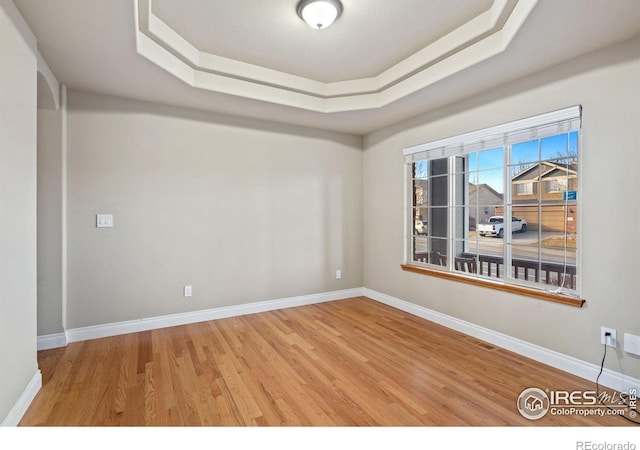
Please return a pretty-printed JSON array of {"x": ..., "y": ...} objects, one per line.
[
  {"x": 243, "y": 211},
  {"x": 606, "y": 85},
  {"x": 17, "y": 207},
  {"x": 49, "y": 222}
]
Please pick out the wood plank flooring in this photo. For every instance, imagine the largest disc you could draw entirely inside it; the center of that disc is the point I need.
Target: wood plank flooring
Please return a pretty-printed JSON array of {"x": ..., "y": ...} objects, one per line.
[{"x": 349, "y": 362}]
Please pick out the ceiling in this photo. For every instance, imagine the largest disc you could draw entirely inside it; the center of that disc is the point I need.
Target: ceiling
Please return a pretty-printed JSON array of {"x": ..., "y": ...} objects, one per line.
[
  {"x": 381, "y": 62},
  {"x": 274, "y": 36}
]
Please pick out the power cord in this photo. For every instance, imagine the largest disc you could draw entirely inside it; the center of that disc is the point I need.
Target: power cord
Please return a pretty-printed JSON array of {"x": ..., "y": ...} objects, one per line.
[{"x": 623, "y": 395}]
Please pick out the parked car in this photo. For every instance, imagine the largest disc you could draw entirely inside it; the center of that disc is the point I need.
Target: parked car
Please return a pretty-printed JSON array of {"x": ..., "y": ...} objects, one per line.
[
  {"x": 421, "y": 227},
  {"x": 495, "y": 226}
]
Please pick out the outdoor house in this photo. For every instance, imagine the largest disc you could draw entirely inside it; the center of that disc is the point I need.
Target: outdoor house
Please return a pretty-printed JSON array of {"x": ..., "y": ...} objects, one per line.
[
  {"x": 555, "y": 185},
  {"x": 491, "y": 202}
]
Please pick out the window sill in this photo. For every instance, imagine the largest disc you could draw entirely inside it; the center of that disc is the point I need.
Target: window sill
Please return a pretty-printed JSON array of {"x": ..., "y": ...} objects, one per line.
[{"x": 520, "y": 290}]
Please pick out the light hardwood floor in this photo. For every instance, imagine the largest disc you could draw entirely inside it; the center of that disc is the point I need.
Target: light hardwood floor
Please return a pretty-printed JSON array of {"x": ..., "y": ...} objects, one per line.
[{"x": 348, "y": 362}]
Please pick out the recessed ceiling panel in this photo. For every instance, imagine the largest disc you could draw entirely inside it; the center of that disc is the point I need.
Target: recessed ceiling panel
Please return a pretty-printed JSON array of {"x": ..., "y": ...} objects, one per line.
[
  {"x": 369, "y": 37},
  {"x": 477, "y": 39}
]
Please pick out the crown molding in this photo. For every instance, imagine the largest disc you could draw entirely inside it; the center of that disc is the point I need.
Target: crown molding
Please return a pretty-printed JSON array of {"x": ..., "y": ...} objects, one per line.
[{"x": 483, "y": 37}]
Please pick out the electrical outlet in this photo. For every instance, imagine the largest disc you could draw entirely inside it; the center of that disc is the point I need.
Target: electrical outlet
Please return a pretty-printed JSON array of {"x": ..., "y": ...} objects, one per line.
[
  {"x": 610, "y": 340},
  {"x": 338, "y": 274},
  {"x": 187, "y": 291}
]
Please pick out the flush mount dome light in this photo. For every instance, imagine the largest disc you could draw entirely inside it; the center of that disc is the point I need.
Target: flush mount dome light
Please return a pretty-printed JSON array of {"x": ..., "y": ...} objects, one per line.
[{"x": 319, "y": 13}]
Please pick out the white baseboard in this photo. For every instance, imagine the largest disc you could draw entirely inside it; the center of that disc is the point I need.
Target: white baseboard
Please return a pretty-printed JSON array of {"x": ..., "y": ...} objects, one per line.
[
  {"x": 133, "y": 326},
  {"x": 15, "y": 414},
  {"x": 574, "y": 366},
  {"x": 49, "y": 341}
]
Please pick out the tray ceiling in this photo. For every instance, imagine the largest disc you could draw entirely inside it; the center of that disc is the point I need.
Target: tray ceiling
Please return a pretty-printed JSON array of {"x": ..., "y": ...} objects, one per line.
[{"x": 476, "y": 31}]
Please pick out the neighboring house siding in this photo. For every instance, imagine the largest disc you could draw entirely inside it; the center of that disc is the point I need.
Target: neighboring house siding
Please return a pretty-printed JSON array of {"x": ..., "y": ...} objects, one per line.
[
  {"x": 487, "y": 200},
  {"x": 550, "y": 181},
  {"x": 553, "y": 217}
]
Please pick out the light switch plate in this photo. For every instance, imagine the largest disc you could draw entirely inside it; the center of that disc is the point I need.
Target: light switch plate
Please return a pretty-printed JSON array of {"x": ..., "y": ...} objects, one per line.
[
  {"x": 632, "y": 343},
  {"x": 104, "y": 220}
]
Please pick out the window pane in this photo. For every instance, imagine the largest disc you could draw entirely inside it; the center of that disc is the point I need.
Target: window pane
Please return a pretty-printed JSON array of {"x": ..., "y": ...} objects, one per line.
[
  {"x": 420, "y": 221},
  {"x": 461, "y": 186},
  {"x": 490, "y": 265},
  {"x": 489, "y": 159},
  {"x": 487, "y": 245},
  {"x": 524, "y": 172},
  {"x": 421, "y": 170},
  {"x": 439, "y": 195},
  {"x": 525, "y": 259},
  {"x": 524, "y": 181},
  {"x": 484, "y": 213},
  {"x": 420, "y": 249},
  {"x": 554, "y": 147},
  {"x": 461, "y": 222},
  {"x": 559, "y": 236},
  {"x": 554, "y": 273},
  {"x": 461, "y": 164},
  {"x": 555, "y": 249},
  {"x": 493, "y": 182},
  {"x": 558, "y": 262},
  {"x": 472, "y": 162},
  {"x": 430, "y": 210},
  {"x": 554, "y": 219},
  {"x": 438, "y": 220},
  {"x": 438, "y": 254},
  {"x": 528, "y": 214},
  {"x": 520, "y": 249},
  {"x": 485, "y": 159},
  {"x": 560, "y": 180},
  {"x": 464, "y": 261},
  {"x": 525, "y": 153},
  {"x": 421, "y": 193}
]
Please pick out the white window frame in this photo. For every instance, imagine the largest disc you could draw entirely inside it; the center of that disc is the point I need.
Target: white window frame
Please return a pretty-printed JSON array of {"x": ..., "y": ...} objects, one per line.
[{"x": 505, "y": 135}]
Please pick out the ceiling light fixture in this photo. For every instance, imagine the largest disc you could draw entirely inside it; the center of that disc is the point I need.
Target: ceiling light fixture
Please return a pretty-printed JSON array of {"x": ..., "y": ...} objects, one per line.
[{"x": 319, "y": 13}]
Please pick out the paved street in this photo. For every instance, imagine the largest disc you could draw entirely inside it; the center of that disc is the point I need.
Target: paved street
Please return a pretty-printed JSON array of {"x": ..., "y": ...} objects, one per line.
[{"x": 524, "y": 246}]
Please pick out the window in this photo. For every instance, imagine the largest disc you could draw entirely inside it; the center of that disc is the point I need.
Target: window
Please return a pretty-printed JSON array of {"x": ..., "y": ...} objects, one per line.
[
  {"x": 465, "y": 186},
  {"x": 524, "y": 188},
  {"x": 557, "y": 185}
]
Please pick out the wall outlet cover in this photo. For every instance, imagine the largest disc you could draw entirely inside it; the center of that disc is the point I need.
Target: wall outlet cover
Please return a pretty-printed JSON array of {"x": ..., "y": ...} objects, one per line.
[{"x": 611, "y": 340}]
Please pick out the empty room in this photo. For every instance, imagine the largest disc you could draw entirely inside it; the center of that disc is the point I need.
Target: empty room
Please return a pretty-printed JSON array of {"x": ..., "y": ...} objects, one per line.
[{"x": 296, "y": 214}]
